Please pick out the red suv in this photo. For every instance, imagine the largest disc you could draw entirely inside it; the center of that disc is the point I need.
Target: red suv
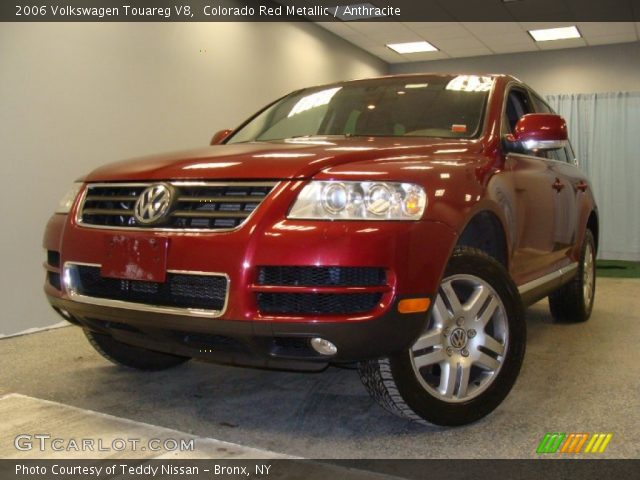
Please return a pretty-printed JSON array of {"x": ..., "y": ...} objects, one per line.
[{"x": 401, "y": 223}]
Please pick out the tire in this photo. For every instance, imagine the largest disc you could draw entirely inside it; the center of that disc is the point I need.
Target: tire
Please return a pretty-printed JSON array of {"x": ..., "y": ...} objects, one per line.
[
  {"x": 573, "y": 302},
  {"x": 416, "y": 383},
  {"x": 131, "y": 357}
]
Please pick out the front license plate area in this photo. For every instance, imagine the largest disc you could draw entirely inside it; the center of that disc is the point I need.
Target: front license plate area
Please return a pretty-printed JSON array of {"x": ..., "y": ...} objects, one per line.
[{"x": 135, "y": 257}]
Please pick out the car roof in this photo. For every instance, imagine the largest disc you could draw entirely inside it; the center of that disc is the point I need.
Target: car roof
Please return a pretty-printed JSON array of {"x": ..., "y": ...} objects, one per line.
[{"x": 415, "y": 76}]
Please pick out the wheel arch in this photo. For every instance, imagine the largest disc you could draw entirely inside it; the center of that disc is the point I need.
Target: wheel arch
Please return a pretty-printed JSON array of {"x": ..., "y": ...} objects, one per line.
[
  {"x": 485, "y": 231},
  {"x": 594, "y": 226}
]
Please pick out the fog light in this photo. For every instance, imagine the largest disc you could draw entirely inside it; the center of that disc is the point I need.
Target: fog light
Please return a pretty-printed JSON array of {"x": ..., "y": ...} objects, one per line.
[{"x": 323, "y": 347}]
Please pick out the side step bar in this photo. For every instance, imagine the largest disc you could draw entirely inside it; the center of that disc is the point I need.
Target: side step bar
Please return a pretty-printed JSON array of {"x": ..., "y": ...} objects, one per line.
[{"x": 539, "y": 288}]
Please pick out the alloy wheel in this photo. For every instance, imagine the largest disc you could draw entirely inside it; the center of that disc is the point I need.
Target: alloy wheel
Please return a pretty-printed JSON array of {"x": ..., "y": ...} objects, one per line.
[
  {"x": 462, "y": 350},
  {"x": 588, "y": 276}
]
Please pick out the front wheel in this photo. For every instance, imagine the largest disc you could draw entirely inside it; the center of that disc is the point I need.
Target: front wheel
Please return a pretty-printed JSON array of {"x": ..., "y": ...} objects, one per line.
[{"x": 467, "y": 359}]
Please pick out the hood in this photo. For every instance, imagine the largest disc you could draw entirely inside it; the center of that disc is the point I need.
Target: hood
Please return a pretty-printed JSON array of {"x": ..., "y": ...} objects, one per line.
[{"x": 288, "y": 159}]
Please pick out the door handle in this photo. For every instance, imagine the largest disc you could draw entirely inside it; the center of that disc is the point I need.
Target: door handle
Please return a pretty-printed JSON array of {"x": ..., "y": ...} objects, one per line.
[
  {"x": 558, "y": 185},
  {"x": 582, "y": 186}
]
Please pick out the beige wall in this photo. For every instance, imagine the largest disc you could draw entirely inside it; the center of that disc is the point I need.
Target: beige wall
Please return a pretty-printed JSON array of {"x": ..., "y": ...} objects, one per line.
[
  {"x": 74, "y": 96},
  {"x": 606, "y": 68}
]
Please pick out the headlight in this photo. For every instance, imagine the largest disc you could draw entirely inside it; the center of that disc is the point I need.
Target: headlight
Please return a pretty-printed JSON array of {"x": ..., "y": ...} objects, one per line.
[
  {"x": 333, "y": 200},
  {"x": 67, "y": 201}
]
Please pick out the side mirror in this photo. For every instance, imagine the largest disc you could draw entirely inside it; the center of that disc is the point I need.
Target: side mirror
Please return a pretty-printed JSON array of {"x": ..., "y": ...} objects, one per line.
[
  {"x": 220, "y": 136},
  {"x": 539, "y": 131}
]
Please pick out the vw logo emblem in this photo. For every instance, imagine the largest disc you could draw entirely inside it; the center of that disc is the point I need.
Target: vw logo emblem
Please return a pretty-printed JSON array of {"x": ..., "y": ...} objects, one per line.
[
  {"x": 153, "y": 204},
  {"x": 458, "y": 338}
]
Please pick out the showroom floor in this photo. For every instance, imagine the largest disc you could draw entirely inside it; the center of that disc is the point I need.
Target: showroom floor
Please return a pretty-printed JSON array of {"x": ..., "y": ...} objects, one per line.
[{"x": 576, "y": 378}]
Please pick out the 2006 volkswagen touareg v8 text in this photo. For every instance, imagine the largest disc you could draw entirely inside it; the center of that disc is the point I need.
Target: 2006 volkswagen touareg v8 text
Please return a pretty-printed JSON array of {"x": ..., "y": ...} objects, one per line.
[{"x": 402, "y": 223}]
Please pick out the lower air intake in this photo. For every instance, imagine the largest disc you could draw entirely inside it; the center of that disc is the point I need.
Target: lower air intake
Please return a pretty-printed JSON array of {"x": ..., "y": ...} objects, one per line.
[
  {"x": 207, "y": 292},
  {"x": 317, "y": 303}
]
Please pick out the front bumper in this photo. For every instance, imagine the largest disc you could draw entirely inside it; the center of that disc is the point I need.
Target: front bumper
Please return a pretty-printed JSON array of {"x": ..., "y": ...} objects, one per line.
[
  {"x": 252, "y": 343},
  {"x": 413, "y": 255}
]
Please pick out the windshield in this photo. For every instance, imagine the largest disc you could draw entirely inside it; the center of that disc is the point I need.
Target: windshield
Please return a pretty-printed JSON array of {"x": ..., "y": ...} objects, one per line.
[{"x": 434, "y": 106}]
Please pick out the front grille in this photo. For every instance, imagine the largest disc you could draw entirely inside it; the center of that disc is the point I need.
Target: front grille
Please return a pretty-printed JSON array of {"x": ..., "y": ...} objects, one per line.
[
  {"x": 180, "y": 290},
  {"x": 318, "y": 303},
  {"x": 198, "y": 206},
  {"x": 322, "y": 276}
]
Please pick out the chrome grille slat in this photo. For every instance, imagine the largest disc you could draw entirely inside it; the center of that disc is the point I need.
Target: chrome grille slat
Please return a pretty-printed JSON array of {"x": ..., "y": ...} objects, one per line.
[
  {"x": 106, "y": 211},
  {"x": 182, "y": 213},
  {"x": 220, "y": 199},
  {"x": 107, "y": 198},
  {"x": 199, "y": 206}
]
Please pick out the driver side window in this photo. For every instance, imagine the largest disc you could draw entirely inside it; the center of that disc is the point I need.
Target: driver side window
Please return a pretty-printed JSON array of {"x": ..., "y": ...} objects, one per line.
[
  {"x": 559, "y": 154},
  {"x": 518, "y": 105}
]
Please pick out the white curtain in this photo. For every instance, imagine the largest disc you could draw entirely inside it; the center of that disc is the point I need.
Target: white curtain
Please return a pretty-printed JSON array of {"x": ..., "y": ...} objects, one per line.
[{"x": 605, "y": 132}]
